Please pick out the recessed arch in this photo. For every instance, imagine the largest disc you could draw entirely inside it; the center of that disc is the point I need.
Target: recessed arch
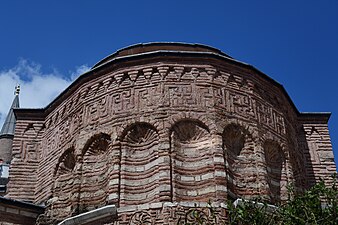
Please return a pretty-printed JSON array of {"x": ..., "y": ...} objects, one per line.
[
  {"x": 234, "y": 139},
  {"x": 192, "y": 170},
  {"x": 93, "y": 190},
  {"x": 275, "y": 162},
  {"x": 96, "y": 144},
  {"x": 139, "y": 164},
  {"x": 188, "y": 130},
  {"x": 66, "y": 162},
  {"x": 63, "y": 181},
  {"x": 199, "y": 119},
  {"x": 138, "y": 132},
  {"x": 237, "y": 143}
]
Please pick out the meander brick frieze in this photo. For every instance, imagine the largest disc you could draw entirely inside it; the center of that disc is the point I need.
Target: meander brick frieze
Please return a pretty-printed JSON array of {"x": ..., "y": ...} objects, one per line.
[
  {"x": 25, "y": 159},
  {"x": 166, "y": 131},
  {"x": 172, "y": 213}
]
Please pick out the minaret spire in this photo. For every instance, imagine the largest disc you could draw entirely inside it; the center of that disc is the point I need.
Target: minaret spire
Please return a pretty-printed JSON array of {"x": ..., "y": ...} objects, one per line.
[
  {"x": 9, "y": 124},
  {"x": 8, "y": 130},
  {"x": 6, "y": 142}
]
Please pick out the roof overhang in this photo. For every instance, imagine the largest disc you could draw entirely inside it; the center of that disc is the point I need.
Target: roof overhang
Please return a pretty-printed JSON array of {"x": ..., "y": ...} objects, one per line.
[
  {"x": 19, "y": 212},
  {"x": 114, "y": 62},
  {"x": 314, "y": 117}
]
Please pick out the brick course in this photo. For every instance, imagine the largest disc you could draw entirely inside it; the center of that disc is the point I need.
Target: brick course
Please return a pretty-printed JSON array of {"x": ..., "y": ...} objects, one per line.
[{"x": 171, "y": 126}]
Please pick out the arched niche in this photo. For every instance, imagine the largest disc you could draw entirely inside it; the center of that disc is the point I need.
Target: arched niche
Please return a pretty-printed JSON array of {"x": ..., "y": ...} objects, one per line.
[
  {"x": 94, "y": 173},
  {"x": 139, "y": 179},
  {"x": 275, "y": 164},
  {"x": 192, "y": 162},
  {"x": 63, "y": 186},
  {"x": 96, "y": 145},
  {"x": 238, "y": 153},
  {"x": 66, "y": 163}
]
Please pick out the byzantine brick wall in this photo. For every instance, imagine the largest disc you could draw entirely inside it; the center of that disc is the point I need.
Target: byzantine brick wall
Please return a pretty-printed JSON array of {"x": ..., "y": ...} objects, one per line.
[
  {"x": 165, "y": 130},
  {"x": 25, "y": 160},
  {"x": 154, "y": 123},
  {"x": 316, "y": 144}
]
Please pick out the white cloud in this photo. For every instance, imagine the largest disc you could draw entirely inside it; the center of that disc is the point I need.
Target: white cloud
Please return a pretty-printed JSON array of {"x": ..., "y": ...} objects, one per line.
[
  {"x": 37, "y": 88},
  {"x": 78, "y": 71}
]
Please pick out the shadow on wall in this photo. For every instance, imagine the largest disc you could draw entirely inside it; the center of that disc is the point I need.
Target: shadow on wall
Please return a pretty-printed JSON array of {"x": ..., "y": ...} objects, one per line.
[
  {"x": 275, "y": 167},
  {"x": 127, "y": 172},
  {"x": 310, "y": 179},
  {"x": 94, "y": 173},
  {"x": 139, "y": 166},
  {"x": 192, "y": 162},
  {"x": 81, "y": 182}
]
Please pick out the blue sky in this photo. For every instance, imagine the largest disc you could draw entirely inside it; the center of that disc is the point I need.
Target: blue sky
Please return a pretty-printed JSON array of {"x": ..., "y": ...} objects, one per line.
[{"x": 44, "y": 45}]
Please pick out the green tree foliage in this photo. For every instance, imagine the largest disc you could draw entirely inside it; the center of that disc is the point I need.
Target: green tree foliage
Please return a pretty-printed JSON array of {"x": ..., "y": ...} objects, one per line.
[
  {"x": 319, "y": 205},
  {"x": 316, "y": 206},
  {"x": 251, "y": 212}
]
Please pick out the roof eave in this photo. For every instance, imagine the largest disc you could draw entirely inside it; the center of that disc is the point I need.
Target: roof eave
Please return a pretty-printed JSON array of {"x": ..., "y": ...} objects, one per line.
[
  {"x": 315, "y": 116},
  {"x": 128, "y": 58}
]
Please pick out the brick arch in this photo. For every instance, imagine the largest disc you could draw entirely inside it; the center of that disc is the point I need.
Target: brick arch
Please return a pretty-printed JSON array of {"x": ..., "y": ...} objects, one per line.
[
  {"x": 189, "y": 121},
  {"x": 192, "y": 170},
  {"x": 123, "y": 130},
  {"x": 63, "y": 185},
  {"x": 238, "y": 150},
  {"x": 275, "y": 161},
  {"x": 93, "y": 172},
  {"x": 136, "y": 125},
  {"x": 198, "y": 118},
  {"x": 249, "y": 128},
  {"x": 139, "y": 166},
  {"x": 66, "y": 162},
  {"x": 269, "y": 137},
  {"x": 96, "y": 144}
]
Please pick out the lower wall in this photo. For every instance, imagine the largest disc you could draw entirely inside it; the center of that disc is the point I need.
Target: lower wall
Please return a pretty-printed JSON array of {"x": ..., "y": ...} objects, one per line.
[
  {"x": 166, "y": 213},
  {"x": 318, "y": 152},
  {"x": 172, "y": 213}
]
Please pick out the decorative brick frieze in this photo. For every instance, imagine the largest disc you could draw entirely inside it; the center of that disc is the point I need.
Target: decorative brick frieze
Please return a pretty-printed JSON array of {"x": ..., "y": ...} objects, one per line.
[{"x": 155, "y": 128}]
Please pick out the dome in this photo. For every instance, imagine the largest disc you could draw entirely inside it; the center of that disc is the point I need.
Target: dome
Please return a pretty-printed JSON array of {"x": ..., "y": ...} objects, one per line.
[{"x": 145, "y": 48}]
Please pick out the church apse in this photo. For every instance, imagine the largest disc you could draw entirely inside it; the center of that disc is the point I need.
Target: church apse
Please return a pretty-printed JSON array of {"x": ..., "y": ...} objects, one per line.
[{"x": 160, "y": 129}]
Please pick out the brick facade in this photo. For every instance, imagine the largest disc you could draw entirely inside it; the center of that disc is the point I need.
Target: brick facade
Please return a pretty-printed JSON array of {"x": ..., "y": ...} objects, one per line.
[{"x": 158, "y": 129}]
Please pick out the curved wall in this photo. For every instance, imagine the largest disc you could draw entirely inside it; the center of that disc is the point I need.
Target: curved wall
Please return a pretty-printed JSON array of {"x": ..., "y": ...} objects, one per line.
[{"x": 166, "y": 128}]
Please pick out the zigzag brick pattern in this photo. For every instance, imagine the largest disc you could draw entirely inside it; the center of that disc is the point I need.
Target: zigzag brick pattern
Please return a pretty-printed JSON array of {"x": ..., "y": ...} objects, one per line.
[{"x": 158, "y": 134}]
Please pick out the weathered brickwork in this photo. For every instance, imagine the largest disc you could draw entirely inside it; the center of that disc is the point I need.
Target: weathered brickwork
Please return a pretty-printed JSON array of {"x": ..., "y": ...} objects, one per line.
[
  {"x": 155, "y": 131},
  {"x": 317, "y": 149},
  {"x": 25, "y": 159},
  {"x": 172, "y": 213}
]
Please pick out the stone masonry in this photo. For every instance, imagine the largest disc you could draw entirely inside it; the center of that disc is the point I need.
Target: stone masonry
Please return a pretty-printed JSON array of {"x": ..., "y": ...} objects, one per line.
[{"x": 160, "y": 129}]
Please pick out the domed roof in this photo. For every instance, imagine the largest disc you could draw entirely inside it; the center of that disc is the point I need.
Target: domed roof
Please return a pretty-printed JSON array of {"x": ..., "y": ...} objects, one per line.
[{"x": 138, "y": 49}]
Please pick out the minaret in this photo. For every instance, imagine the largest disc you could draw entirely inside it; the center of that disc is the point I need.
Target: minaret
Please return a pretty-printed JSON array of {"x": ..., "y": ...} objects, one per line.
[
  {"x": 8, "y": 129},
  {"x": 6, "y": 142}
]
